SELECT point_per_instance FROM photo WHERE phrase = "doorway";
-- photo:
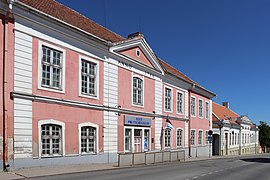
(215, 145)
(226, 143)
(137, 140)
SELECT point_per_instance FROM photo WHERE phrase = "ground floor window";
(192, 137)
(179, 138)
(128, 140)
(200, 137)
(88, 139)
(167, 138)
(206, 137)
(51, 140)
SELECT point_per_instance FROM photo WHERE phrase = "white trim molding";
(63, 135)
(89, 124)
(63, 73)
(183, 137)
(89, 59)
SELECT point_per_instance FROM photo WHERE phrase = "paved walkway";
(46, 171)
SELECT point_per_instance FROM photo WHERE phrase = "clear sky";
(224, 45)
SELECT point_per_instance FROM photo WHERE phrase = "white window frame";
(165, 110)
(206, 137)
(194, 137)
(132, 137)
(63, 135)
(195, 101)
(200, 130)
(88, 124)
(183, 134)
(63, 75)
(200, 116)
(170, 139)
(85, 58)
(143, 90)
(183, 101)
(207, 106)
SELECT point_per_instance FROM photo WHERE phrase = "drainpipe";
(4, 81)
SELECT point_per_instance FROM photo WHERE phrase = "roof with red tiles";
(67, 15)
(224, 113)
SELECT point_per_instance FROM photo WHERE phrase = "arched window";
(179, 138)
(88, 139)
(137, 91)
(51, 138)
(167, 138)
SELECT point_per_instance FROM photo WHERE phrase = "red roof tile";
(73, 18)
(224, 113)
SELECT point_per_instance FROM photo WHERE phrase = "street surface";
(241, 168)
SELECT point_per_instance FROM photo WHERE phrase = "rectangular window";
(168, 99)
(137, 91)
(179, 137)
(167, 138)
(207, 110)
(179, 102)
(200, 137)
(51, 140)
(128, 140)
(88, 139)
(200, 108)
(230, 139)
(192, 137)
(192, 106)
(88, 78)
(206, 137)
(51, 68)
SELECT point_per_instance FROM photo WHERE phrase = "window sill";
(51, 156)
(51, 89)
(138, 105)
(88, 96)
(86, 154)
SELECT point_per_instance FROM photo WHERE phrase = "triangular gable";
(137, 54)
(127, 49)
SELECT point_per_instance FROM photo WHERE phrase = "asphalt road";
(248, 168)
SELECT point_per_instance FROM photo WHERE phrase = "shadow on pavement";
(258, 160)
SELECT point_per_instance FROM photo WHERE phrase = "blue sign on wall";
(137, 121)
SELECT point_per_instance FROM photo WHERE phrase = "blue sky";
(223, 45)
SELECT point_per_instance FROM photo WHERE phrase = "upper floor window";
(88, 139)
(179, 102)
(51, 140)
(88, 77)
(192, 106)
(179, 138)
(52, 67)
(207, 110)
(192, 137)
(137, 91)
(167, 138)
(168, 99)
(200, 137)
(200, 108)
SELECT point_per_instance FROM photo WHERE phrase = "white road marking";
(203, 174)
(195, 177)
(210, 173)
(216, 171)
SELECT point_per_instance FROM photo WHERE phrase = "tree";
(264, 134)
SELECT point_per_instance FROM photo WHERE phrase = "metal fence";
(131, 159)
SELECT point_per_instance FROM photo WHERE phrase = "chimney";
(226, 104)
(136, 34)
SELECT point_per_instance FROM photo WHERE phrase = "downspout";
(4, 81)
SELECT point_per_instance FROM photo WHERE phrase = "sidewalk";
(46, 171)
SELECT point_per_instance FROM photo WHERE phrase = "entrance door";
(137, 140)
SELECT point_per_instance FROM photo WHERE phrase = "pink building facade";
(79, 93)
